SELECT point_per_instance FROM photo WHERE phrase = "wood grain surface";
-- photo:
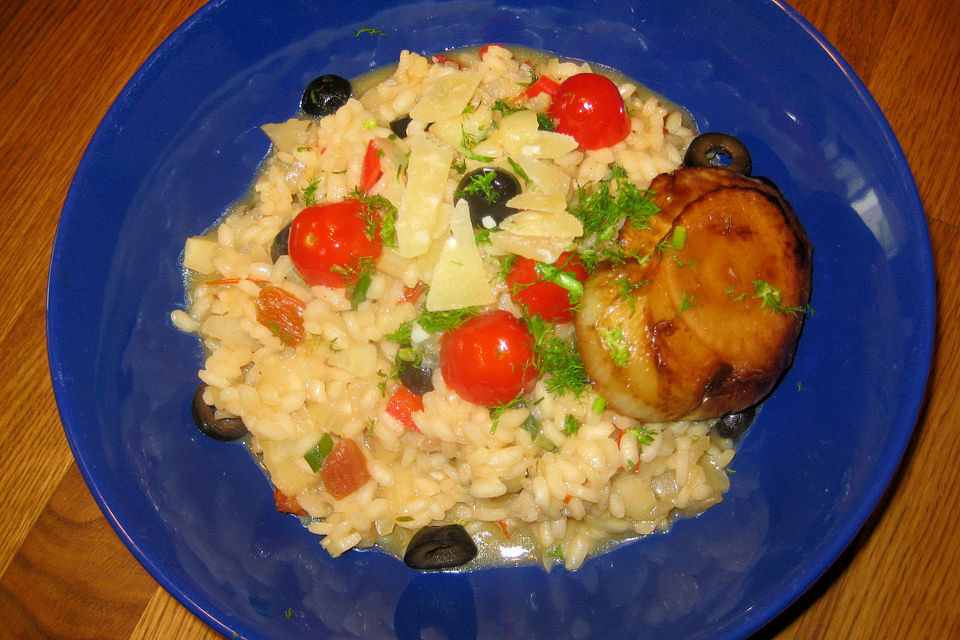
(63, 572)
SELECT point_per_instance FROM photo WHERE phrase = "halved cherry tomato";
(327, 242)
(588, 107)
(288, 504)
(488, 360)
(344, 469)
(543, 84)
(371, 170)
(548, 300)
(282, 313)
(403, 403)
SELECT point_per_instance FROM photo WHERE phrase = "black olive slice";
(440, 547)
(223, 429)
(325, 95)
(488, 196)
(281, 244)
(399, 126)
(705, 148)
(417, 377)
(735, 424)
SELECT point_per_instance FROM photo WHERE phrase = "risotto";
(356, 376)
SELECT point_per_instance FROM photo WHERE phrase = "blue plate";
(182, 142)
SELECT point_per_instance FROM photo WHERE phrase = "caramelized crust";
(701, 342)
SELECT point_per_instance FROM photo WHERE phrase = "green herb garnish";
(615, 342)
(433, 322)
(315, 456)
(482, 235)
(602, 207)
(504, 108)
(480, 183)
(533, 426)
(770, 297)
(570, 425)
(626, 290)
(506, 265)
(732, 294)
(678, 238)
(498, 411)
(643, 436)
(476, 158)
(687, 302)
(368, 29)
(517, 169)
(309, 194)
(545, 122)
(562, 278)
(556, 358)
(378, 212)
(598, 405)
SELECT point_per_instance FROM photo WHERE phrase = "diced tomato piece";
(371, 170)
(282, 313)
(412, 294)
(344, 469)
(402, 405)
(288, 504)
(543, 84)
(442, 59)
(485, 48)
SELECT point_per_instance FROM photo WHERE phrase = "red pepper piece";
(543, 85)
(402, 405)
(288, 504)
(371, 170)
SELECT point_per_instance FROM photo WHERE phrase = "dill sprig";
(378, 212)
(615, 343)
(480, 183)
(603, 206)
(557, 358)
(433, 322)
(771, 298)
(309, 193)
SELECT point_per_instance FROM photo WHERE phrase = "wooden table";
(63, 572)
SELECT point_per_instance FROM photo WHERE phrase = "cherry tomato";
(371, 170)
(588, 107)
(344, 469)
(488, 360)
(327, 242)
(548, 300)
